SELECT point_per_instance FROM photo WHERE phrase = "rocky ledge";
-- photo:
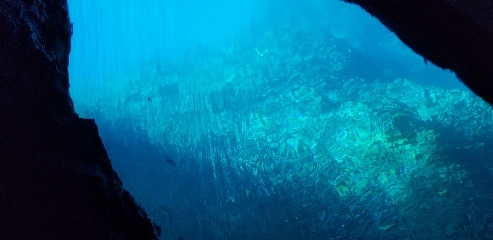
(453, 34)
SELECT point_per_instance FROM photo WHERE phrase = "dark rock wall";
(453, 34)
(56, 181)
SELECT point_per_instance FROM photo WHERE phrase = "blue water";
(252, 119)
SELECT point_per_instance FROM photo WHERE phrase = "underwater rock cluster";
(56, 181)
(286, 138)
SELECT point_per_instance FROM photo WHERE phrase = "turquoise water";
(280, 120)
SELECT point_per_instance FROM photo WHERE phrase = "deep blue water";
(281, 120)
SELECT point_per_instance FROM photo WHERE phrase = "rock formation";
(453, 34)
(56, 181)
